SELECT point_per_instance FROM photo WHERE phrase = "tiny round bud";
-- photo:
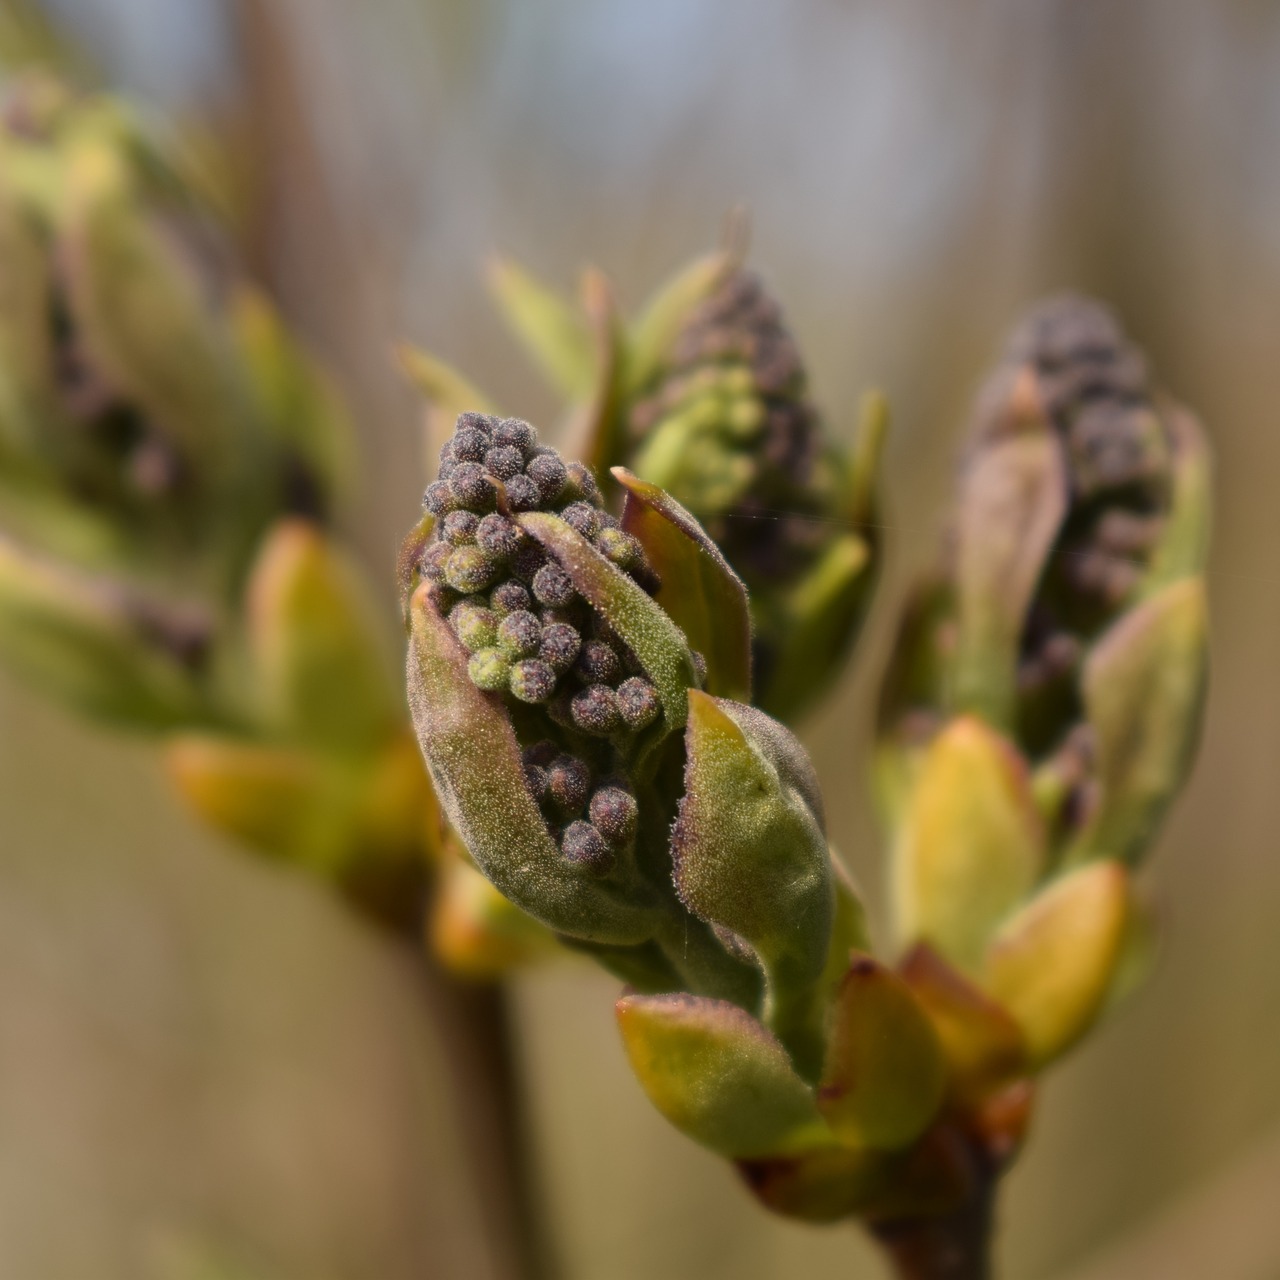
(582, 517)
(528, 559)
(435, 561)
(541, 753)
(497, 535)
(581, 481)
(568, 783)
(459, 527)
(522, 494)
(472, 421)
(519, 635)
(504, 462)
(560, 707)
(471, 569)
(489, 670)
(583, 845)
(474, 625)
(516, 433)
(595, 710)
(638, 703)
(613, 813)
(599, 663)
(552, 586)
(532, 680)
(438, 499)
(624, 550)
(535, 777)
(470, 445)
(549, 474)
(508, 597)
(559, 646)
(470, 486)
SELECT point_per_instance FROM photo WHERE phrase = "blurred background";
(207, 1068)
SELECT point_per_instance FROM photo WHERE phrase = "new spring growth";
(1043, 703)
(705, 396)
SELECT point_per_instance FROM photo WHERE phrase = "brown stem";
(955, 1247)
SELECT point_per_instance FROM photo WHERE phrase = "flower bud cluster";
(734, 387)
(532, 637)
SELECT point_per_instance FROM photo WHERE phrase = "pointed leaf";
(885, 1073)
(1144, 684)
(1184, 544)
(750, 855)
(554, 334)
(474, 760)
(1053, 963)
(655, 640)
(699, 591)
(718, 1075)
(971, 843)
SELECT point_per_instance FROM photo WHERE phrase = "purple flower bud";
(532, 680)
(469, 445)
(516, 433)
(595, 711)
(489, 670)
(527, 561)
(535, 777)
(519, 635)
(438, 499)
(508, 597)
(471, 487)
(624, 550)
(584, 845)
(613, 813)
(497, 535)
(435, 561)
(583, 482)
(599, 663)
(638, 703)
(549, 474)
(522, 494)
(472, 421)
(459, 527)
(559, 646)
(568, 783)
(582, 517)
(471, 569)
(504, 462)
(541, 753)
(552, 586)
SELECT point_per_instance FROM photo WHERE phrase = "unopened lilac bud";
(582, 482)
(549, 474)
(638, 703)
(522, 494)
(469, 446)
(519, 635)
(459, 527)
(553, 587)
(470, 486)
(583, 518)
(504, 462)
(435, 561)
(541, 753)
(470, 569)
(475, 626)
(508, 597)
(559, 646)
(584, 845)
(599, 663)
(527, 561)
(438, 499)
(497, 535)
(515, 433)
(613, 813)
(535, 777)
(489, 670)
(595, 711)
(532, 680)
(472, 421)
(568, 782)
(624, 550)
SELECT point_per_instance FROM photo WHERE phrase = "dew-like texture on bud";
(638, 703)
(438, 498)
(475, 625)
(459, 527)
(613, 813)
(497, 535)
(533, 680)
(523, 494)
(568, 781)
(598, 663)
(595, 711)
(520, 634)
(583, 518)
(471, 568)
(489, 670)
(471, 486)
(549, 474)
(584, 845)
(515, 433)
(509, 597)
(435, 561)
(553, 587)
(559, 646)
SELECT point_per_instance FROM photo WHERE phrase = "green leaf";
(750, 855)
(553, 332)
(885, 1073)
(971, 843)
(718, 1075)
(1144, 684)
(474, 760)
(643, 625)
(699, 591)
(1052, 965)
